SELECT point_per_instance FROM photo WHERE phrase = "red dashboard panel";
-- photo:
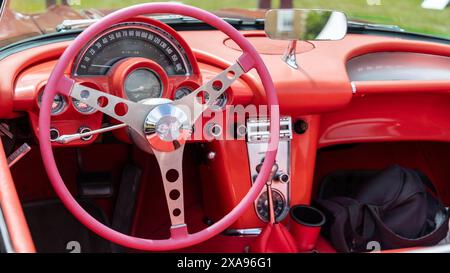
(320, 93)
(30, 84)
(322, 85)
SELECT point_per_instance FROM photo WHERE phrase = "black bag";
(397, 208)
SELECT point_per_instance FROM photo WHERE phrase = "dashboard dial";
(262, 206)
(133, 40)
(142, 84)
(82, 107)
(219, 104)
(58, 105)
(182, 92)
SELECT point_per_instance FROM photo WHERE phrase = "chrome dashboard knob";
(282, 177)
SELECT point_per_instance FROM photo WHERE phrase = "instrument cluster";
(169, 60)
(137, 60)
(61, 103)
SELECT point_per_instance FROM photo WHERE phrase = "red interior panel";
(380, 123)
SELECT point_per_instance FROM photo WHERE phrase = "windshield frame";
(2, 8)
(69, 35)
(364, 26)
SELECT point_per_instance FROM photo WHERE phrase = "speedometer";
(133, 40)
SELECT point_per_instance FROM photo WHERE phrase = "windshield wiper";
(75, 24)
(168, 19)
(392, 30)
(83, 23)
(370, 26)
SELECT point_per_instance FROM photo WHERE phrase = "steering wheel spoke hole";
(231, 74)
(172, 175)
(174, 194)
(102, 101)
(202, 97)
(176, 212)
(121, 109)
(217, 85)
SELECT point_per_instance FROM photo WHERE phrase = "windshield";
(22, 19)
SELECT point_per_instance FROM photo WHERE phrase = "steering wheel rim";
(59, 83)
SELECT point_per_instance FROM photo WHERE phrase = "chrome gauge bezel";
(181, 89)
(61, 109)
(283, 213)
(151, 71)
(90, 112)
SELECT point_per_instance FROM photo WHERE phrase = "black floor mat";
(54, 229)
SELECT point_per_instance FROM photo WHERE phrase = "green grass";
(405, 13)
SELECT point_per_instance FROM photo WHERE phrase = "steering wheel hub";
(166, 127)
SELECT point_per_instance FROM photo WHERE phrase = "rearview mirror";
(304, 24)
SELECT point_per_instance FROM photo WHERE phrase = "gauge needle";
(64, 139)
(140, 88)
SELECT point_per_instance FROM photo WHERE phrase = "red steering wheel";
(144, 120)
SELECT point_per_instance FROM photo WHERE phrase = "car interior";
(164, 127)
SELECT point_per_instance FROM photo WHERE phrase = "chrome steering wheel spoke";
(196, 103)
(166, 126)
(171, 166)
(131, 113)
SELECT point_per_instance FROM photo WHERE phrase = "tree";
(53, 2)
(267, 4)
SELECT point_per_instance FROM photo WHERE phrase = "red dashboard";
(336, 109)
(322, 85)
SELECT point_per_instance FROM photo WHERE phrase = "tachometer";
(143, 84)
(133, 40)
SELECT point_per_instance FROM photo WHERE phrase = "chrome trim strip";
(354, 90)
(243, 232)
(4, 130)
(18, 154)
